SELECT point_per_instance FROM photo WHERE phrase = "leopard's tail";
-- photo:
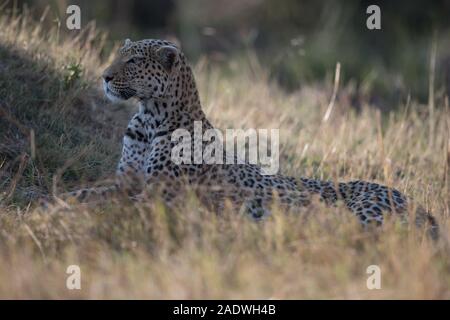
(86, 195)
(90, 194)
(368, 201)
(423, 218)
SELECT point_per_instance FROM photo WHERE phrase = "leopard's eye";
(134, 60)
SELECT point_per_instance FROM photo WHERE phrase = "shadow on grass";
(48, 122)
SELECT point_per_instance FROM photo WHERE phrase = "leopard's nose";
(108, 75)
(107, 78)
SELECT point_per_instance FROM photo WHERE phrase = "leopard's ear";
(167, 56)
(127, 43)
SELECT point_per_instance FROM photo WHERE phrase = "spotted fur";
(157, 74)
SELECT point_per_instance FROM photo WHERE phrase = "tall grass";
(57, 132)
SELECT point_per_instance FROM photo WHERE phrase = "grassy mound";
(52, 115)
(57, 132)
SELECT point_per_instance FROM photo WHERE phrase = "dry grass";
(130, 251)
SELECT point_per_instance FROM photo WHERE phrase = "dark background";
(299, 42)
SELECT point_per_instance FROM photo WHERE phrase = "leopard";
(157, 75)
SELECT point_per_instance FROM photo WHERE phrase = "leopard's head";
(142, 69)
